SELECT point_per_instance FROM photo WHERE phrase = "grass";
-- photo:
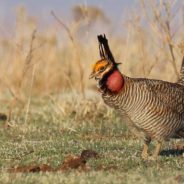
(59, 56)
(49, 136)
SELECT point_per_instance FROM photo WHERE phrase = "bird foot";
(145, 156)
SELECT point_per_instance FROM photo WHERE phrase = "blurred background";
(48, 47)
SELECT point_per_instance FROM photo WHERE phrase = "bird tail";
(181, 77)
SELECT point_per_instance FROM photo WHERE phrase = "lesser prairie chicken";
(155, 108)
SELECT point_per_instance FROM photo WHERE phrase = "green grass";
(51, 133)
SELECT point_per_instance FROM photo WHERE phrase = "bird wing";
(169, 94)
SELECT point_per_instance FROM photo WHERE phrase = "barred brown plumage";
(155, 108)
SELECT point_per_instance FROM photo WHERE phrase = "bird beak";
(92, 75)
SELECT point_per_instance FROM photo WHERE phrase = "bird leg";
(145, 148)
(157, 150)
(145, 151)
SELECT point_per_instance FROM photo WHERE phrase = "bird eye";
(102, 68)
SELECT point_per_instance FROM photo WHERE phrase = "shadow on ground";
(172, 152)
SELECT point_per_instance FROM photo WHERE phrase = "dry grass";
(57, 67)
(41, 63)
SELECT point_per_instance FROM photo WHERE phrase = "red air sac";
(115, 81)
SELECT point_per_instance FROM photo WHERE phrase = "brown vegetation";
(41, 63)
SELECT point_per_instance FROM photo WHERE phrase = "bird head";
(105, 70)
(107, 63)
(101, 68)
